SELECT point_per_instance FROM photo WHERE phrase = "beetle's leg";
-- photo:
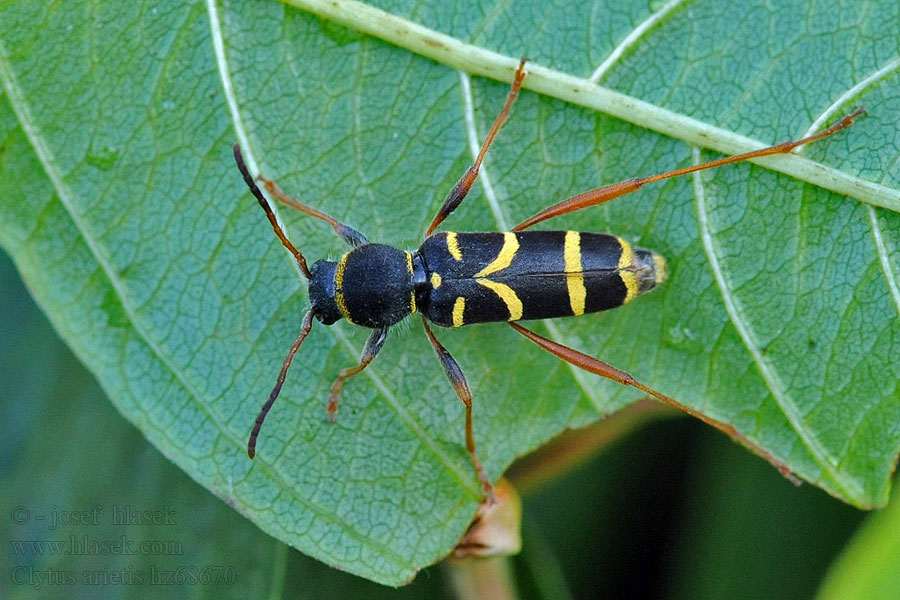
(608, 192)
(598, 367)
(459, 191)
(458, 380)
(344, 231)
(304, 331)
(370, 350)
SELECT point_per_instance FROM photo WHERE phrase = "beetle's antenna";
(304, 331)
(239, 158)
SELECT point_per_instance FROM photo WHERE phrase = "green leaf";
(90, 504)
(869, 567)
(124, 213)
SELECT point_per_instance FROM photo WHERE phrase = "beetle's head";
(321, 292)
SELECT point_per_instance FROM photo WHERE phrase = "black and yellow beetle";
(456, 279)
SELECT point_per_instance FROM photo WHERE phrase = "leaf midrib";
(582, 92)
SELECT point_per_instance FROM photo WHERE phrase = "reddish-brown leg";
(370, 350)
(458, 380)
(598, 367)
(346, 233)
(608, 192)
(459, 191)
(304, 331)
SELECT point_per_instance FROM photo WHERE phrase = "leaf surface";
(124, 212)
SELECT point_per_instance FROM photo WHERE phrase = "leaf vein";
(884, 258)
(578, 90)
(887, 69)
(632, 38)
(768, 372)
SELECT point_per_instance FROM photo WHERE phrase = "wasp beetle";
(457, 279)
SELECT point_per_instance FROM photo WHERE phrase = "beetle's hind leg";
(598, 367)
(456, 377)
(370, 350)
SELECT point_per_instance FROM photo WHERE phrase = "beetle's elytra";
(455, 279)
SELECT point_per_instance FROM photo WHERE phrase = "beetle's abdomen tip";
(652, 269)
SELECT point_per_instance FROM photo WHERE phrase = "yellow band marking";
(453, 246)
(662, 268)
(504, 257)
(436, 280)
(626, 271)
(339, 288)
(412, 294)
(458, 307)
(506, 293)
(575, 278)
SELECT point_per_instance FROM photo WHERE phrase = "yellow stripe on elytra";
(506, 293)
(575, 277)
(412, 294)
(436, 280)
(339, 288)
(453, 246)
(458, 307)
(626, 271)
(504, 257)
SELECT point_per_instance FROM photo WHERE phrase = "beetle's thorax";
(372, 285)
